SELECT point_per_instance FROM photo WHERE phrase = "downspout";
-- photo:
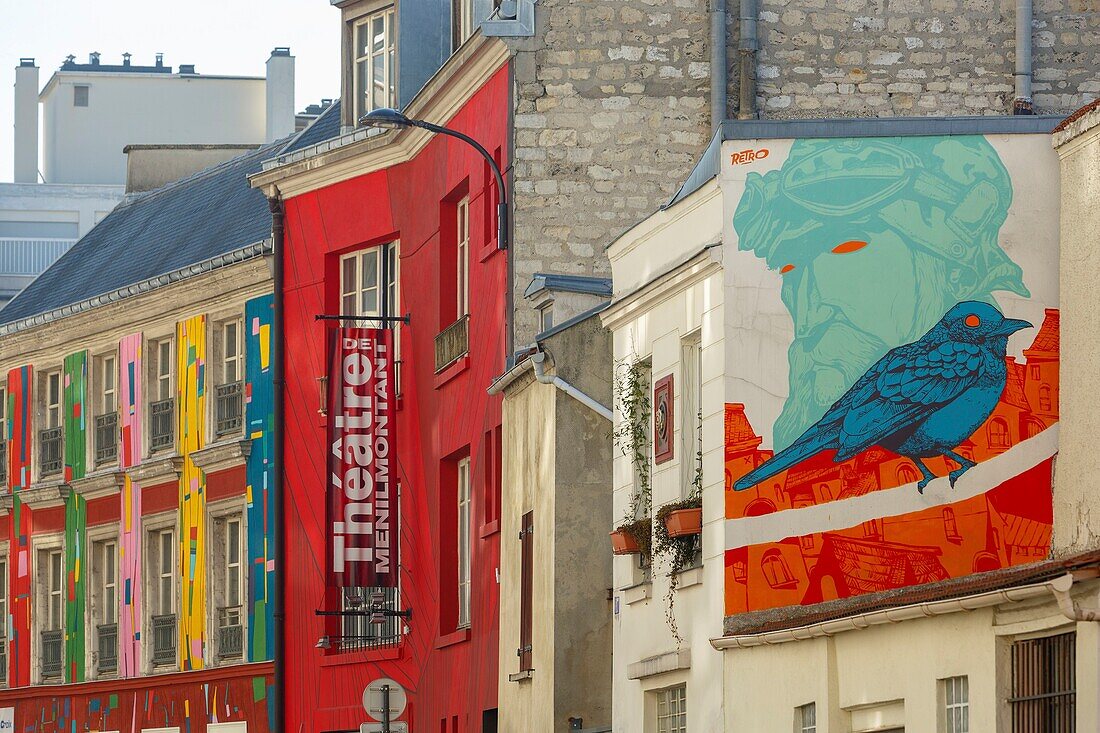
(539, 360)
(746, 106)
(1021, 105)
(278, 385)
(510, 285)
(1070, 608)
(719, 81)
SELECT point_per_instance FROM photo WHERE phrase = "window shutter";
(526, 537)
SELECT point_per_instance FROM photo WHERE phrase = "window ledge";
(489, 529)
(636, 593)
(95, 485)
(224, 454)
(455, 637)
(526, 674)
(43, 496)
(489, 250)
(362, 656)
(689, 577)
(452, 370)
(156, 470)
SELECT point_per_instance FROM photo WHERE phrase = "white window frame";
(40, 619)
(462, 258)
(462, 495)
(232, 361)
(805, 720)
(546, 316)
(98, 539)
(955, 704)
(351, 297)
(51, 411)
(152, 529)
(669, 704)
(388, 53)
(162, 377)
(221, 514)
(5, 569)
(107, 383)
(462, 20)
(691, 405)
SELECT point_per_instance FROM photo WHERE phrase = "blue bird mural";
(920, 400)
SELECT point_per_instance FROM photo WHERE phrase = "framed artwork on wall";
(663, 423)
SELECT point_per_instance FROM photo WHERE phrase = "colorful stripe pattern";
(74, 378)
(191, 424)
(259, 415)
(129, 545)
(20, 383)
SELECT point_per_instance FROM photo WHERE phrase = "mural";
(191, 436)
(259, 413)
(74, 376)
(129, 544)
(20, 392)
(910, 443)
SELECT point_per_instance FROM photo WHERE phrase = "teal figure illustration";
(875, 239)
(920, 400)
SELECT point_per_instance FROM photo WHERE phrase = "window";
(775, 570)
(50, 616)
(80, 95)
(691, 415)
(162, 389)
(3, 443)
(462, 22)
(161, 595)
(463, 542)
(364, 631)
(1044, 398)
(546, 317)
(232, 352)
(462, 257)
(229, 392)
(50, 437)
(956, 705)
(106, 418)
(165, 598)
(375, 57)
(229, 586)
(805, 720)
(361, 280)
(105, 604)
(493, 474)
(672, 710)
(3, 615)
(907, 474)
(526, 608)
(950, 526)
(1044, 685)
(162, 403)
(1035, 371)
(53, 400)
(998, 433)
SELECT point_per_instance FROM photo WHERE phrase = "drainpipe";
(718, 65)
(746, 106)
(278, 384)
(539, 360)
(1070, 608)
(1021, 105)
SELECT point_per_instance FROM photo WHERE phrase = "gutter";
(718, 65)
(1021, 104)
(243, 254)
(1071, 609)
(278, 612)
(539, 361)
(891, 616)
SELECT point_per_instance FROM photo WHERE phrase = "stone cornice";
(662, 287)
(156, 470)
(222, 455)
(43, 496)
(99, 483)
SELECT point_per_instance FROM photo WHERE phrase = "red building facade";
(428, 204)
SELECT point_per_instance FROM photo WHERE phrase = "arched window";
(759, 507)
(998, 433)
(775, 570)
(907, 474)
(1032, 428)
(1044, 398)
(950, 526)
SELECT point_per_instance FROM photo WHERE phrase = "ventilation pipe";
(539, 360)
(746, 107)
(718, 65)
(1021, 105)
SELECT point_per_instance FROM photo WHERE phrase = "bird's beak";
(1012, 325)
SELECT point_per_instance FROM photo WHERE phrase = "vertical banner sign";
(362, 491)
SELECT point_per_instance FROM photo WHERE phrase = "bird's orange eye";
(785, 269)
(973, 321)
(851, 246)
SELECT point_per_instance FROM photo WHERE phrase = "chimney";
(187, 68)
(160, 60)
(126, 58)
(26, 122)
(280, 94)
(93, 58)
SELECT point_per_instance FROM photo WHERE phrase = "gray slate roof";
(327, 125)
(195, 219)
(569, 284)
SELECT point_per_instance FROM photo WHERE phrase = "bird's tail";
(808, 445)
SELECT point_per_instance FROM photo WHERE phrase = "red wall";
(451, 677)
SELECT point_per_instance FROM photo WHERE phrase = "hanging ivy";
(632, 438)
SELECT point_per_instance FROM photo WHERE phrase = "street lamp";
(392, 119)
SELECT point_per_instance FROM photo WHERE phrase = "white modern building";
(71, 170)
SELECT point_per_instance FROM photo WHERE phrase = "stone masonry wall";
(613, 106)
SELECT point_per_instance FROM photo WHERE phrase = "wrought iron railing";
(106, 437)
(452, 343)
(360, 630)
(3, 465)
(107, 641)
(3, 659)
(52, 642)
(164, 640)
(229, 404)
(161, 422)
(230, 633)
(49, 451)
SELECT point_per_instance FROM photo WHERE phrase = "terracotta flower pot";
(684, 522)
(623, 543)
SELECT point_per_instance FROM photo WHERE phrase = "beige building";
(555, 619)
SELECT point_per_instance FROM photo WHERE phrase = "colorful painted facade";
(877, 261)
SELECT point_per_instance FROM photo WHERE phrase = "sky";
(218, 36)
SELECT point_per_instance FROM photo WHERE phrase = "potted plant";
(677, 535)
(683, 518)
(632, 538)
(634, 533)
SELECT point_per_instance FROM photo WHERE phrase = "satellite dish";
(375, 695)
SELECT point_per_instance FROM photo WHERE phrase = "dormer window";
(375, 70)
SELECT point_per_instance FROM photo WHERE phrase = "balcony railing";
(229, 402)
(3, 659)
(3, 467)
(106, 437)
(452, 343)
(30, 255)
(52, 642)
(107, 640)
(362, 631)
(164, 640)
(161, 422)
(230, 633)
(49, 451)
